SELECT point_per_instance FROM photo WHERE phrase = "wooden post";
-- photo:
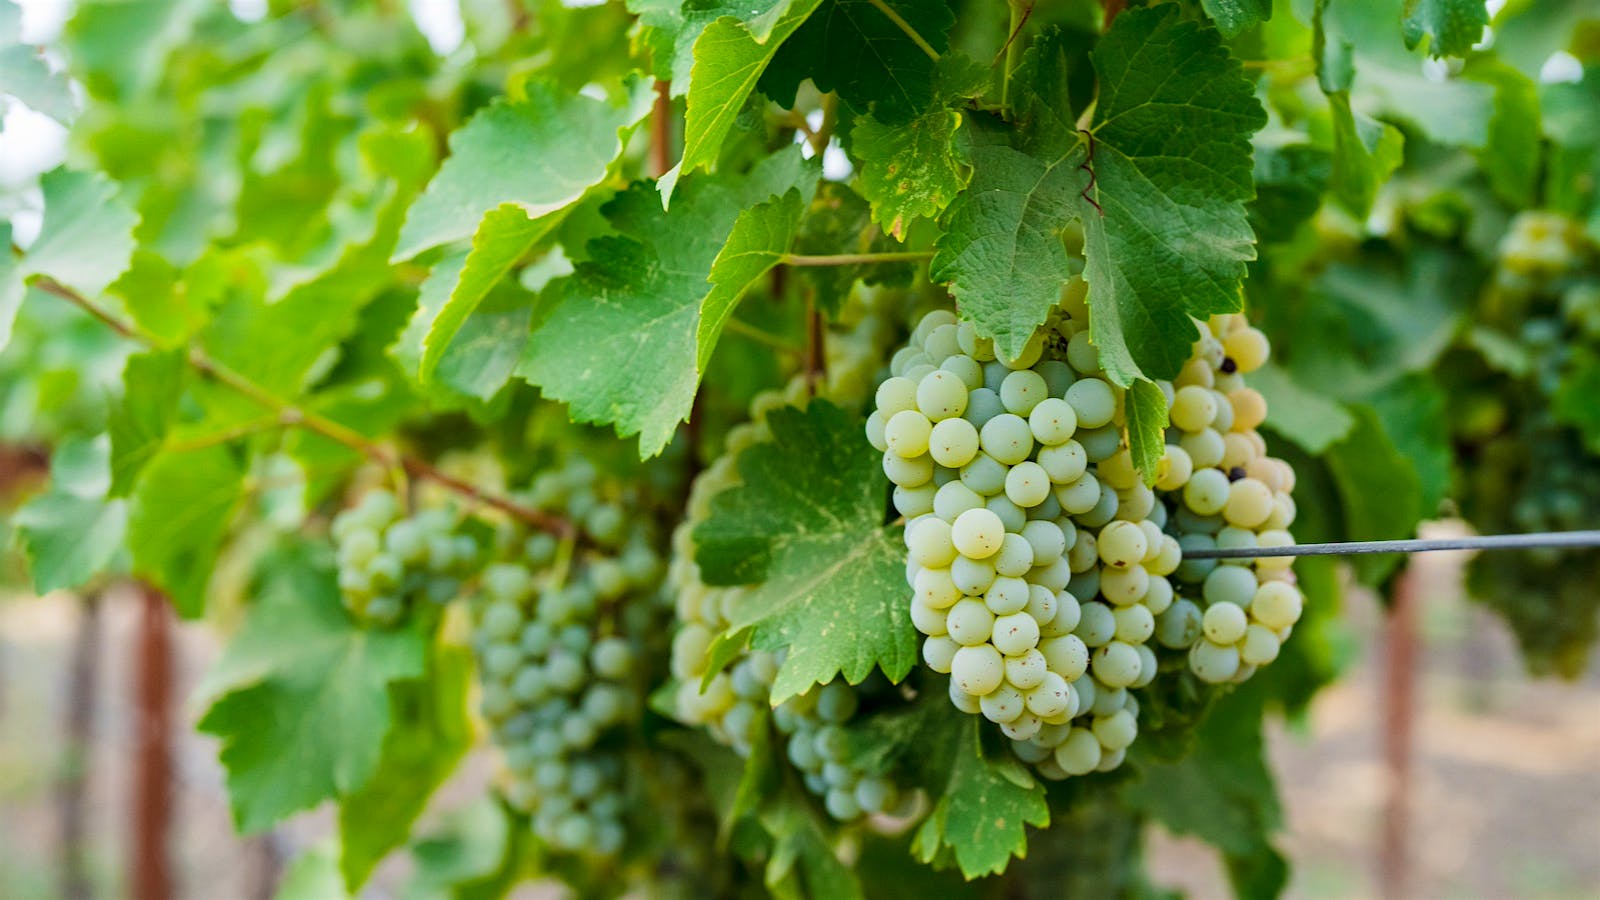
(1402, 648)
(150, 865)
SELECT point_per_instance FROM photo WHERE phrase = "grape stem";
(291, 415)
(660, 128)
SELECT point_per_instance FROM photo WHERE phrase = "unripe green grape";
(930, 541)
(1022, 390)
(1122, 544)
(896, 394)
(1006, 595)
(939, 652)
(984, 475)
(1124, 586)
(976, 533)
(983, 404)
(1065, 463)
(1051, 697)
(1045, 539)
(1213, 663)
(1011, 515)
(1101, 443)
(907, 433)
(1027, 484)
(501, 620)
(1007, 439)
(953, 442)
(1224, 623)
(1097, 626)
(941, 395)
(1135, 624)
(1116, 664)
(960, 699)
(915, 501)
(1205, 448)
(1015, 558)
(964, 367)
(1042, 605)
(969, 622)
(1026, 670)
(1207, 492)
(1276, 605)
(1116, 731)
(1016, 633)
(1079, 753)
(1003, 704)
(1230, 584)
(1093, 401)
(1260, 646)
(877, 425)
(927, 620)
(977, 669)
(973, 577)
(1249, 503)
(908, 472)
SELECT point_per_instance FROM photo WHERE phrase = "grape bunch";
(559, 633)
(734, 704)
(1221, 489)
(1036, 556)
(389, 560)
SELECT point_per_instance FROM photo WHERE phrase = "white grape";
(977, 669)
(977, 533)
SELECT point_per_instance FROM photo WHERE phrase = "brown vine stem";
(853, 259)
(291, 415)
(661, 129)
(816, 346)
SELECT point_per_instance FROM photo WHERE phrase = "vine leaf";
(541, 153)
(28, 78)
(984, 803)
(152, 383)
(1172, 174)
(910, 171)
(729, 57)
(86, 238)
(1146, 408)
(852, 48)
(1380, 492)
(805, 529)
(73, 531)
(178, 518)
(301, 699)
(1309, 419)
(1159, 182)
(1451, 26)
(1235, 16)
(1365, 153)
(430, 735)
(651, 299)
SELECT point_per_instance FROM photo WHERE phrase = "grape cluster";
(388, 560)
(1223, 490)
(1036, 556)
(734, 703)
(559, 630)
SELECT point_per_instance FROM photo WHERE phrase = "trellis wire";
(1534, 541)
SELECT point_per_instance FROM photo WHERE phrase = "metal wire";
(1538, 540)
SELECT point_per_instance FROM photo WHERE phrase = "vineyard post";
(1402, 647)
(150, 864)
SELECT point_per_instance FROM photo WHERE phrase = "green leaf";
(430, 735)
(1171, 157)
(473, 855)
(1451, 26)
(728, 61)
(802, 864)
(983, 803)
(637, 301)
(1413, 414)
(853, 48)
(1365, 153)
(1574, 398)
(909, 171)
(540, 153)
(1512, 157)
(806, 530)
(72, 532)
(178, 515)
(86, 239)
(301, 696)
(1380, 494)
(26, 76)
(460, 281)
(760, 237)
(1235, 16)
(1222, 792)
(1166, 235)
(1146, 409)
(152, 383)
(1290, 181)
(1309, 419)
(168, 304)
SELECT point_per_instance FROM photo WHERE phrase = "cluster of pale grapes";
(1539, 246)
(734, 703)
(1223, 491)
(559, 628)
(387, 559)
(1036, 556)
